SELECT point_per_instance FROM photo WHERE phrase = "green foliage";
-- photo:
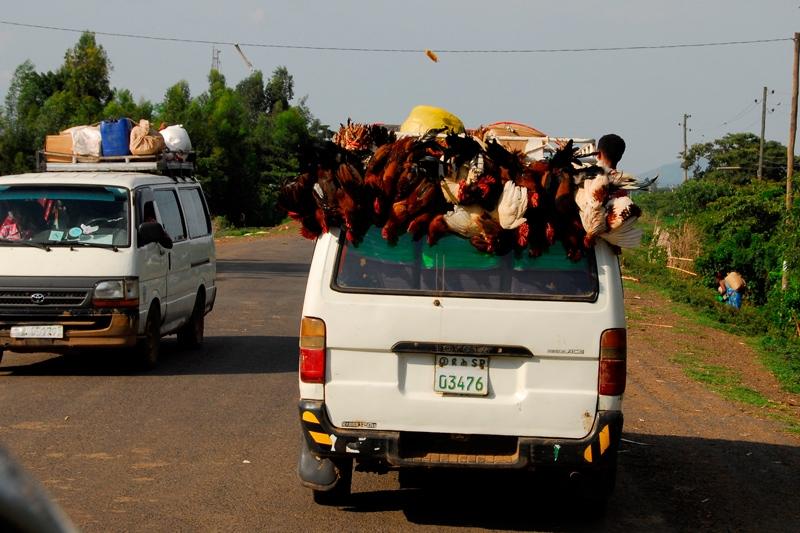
(740, 229)
(279, 90)
(122, 105)
(246, 139)
(253, 92)
(744, 227)
(86, 70)
(733, 159)
(782, 357)
(700, 293)
(174, 108)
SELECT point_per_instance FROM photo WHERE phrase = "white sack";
(176, 138)
(86, 140)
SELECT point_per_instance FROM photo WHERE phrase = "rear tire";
(597, 486)
(149, 348)
(191, 334)
(340, 493)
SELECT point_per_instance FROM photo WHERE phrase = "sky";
(638, 94)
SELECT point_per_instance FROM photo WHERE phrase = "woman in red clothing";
(10, 229)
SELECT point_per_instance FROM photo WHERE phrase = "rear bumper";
(93, 329)
(403, 449)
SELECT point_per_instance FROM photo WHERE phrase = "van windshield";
(63, 215)
(453, 267)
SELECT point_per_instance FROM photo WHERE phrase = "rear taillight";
(613, 357)
(312, 350)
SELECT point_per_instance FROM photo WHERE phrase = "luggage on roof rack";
(167, 163)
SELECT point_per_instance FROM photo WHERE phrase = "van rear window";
(453, 267)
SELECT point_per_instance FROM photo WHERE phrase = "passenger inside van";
(11, 227)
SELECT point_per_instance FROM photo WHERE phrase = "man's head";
(610, 149)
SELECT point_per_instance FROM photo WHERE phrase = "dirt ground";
(714, 463)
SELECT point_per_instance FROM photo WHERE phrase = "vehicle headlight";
(116, 292)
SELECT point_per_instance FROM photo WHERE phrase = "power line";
(740, 115)
(397, 50)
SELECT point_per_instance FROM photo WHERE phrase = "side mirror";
(153, 232)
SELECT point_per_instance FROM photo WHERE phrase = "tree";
(174, 108)
(734, 159)
(122, 105)
(252, 91)
(86, 70)
(279, 90)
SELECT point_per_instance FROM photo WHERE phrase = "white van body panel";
(552, 394)
(61, 261)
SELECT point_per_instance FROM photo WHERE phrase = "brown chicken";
(437, 229)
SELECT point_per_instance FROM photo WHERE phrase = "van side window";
(196, 214)
(170, 212)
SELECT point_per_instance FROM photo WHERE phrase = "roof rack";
(167, 163)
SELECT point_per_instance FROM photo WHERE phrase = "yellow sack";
(424, 118)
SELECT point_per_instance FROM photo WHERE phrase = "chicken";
(591, 199)
(572, 235)
(325, 197)
(621, 220)
(564, 198)
(419, 226)
(424, 197)
(490, 237)
(503, 163)
(565, 158)
(460, 150)
(485, 192)
(295, 197)
(362, 137)
(531, 180)
(463, 219)
(512, 205)
(437, 229)
(522, 233)
(621, 180)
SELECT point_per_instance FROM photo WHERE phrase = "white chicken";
(512, 205)
(591, 198)
(621, 219)
(464, 220)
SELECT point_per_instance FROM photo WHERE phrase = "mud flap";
(318, 473)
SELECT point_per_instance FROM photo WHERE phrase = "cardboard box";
(58, 148)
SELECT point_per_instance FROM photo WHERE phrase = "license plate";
(37, 332)
(455, 374)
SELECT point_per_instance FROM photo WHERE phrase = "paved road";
(208, 441)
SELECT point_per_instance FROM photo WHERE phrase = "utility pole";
(760, 174)
(790, 148)
(215, 52)
(685, 150)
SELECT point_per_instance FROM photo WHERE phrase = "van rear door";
(446, 339)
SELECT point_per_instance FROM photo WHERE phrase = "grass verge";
(720, 379)
(697, 303)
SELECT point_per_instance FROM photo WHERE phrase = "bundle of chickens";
(439, 183)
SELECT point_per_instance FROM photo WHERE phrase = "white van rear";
(418, 356)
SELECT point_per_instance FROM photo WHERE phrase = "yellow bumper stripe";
(587, 454)
(308, 416)
(605, 439)
(320, 438)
